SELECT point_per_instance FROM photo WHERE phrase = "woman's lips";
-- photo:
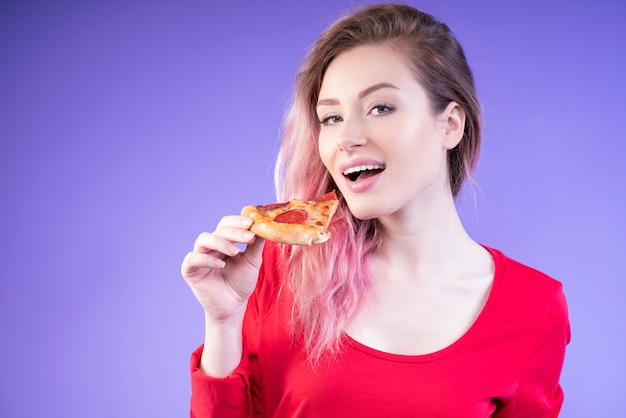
(364, 181)
(360, 164)
(361, 173)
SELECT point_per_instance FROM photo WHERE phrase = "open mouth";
(362, 171)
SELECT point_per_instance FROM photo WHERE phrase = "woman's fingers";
(211, 250)
(202, 260)
(235, 221)
(254, 251)
(221, 275)
(230, 230)
(194, 263)
(211, 243)
(222, 244)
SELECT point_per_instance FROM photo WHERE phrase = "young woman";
(401, 313)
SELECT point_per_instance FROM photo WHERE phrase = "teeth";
(362, 168)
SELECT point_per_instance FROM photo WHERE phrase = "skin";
(222, 278)
(393, 124)
(431, 278)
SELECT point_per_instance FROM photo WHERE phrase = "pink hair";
(331, 281)
(328, 281)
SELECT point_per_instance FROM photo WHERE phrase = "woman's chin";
(363, 213)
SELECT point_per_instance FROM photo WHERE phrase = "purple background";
(129, 127)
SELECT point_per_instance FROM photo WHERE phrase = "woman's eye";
(330, 120)
(380, 110)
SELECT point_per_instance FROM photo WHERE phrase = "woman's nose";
(351, 135)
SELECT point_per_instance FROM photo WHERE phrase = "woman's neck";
(426, 238)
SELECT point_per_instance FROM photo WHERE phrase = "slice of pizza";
(297, 222)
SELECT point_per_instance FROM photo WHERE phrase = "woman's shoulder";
(526, 287)
(527, 296)
(517, 273)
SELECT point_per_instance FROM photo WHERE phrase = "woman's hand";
(221, 276)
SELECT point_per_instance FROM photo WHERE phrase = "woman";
(401, 313)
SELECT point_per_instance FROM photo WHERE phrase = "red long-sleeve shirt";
(506, 365)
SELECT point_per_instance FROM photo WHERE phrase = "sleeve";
(227, 397)
(539, 393)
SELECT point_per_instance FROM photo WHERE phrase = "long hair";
(331, 281)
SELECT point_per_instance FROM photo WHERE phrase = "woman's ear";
(453, 119)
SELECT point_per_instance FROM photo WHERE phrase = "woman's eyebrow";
(364, 93)
(375, 87)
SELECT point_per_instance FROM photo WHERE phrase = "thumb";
(254, 251)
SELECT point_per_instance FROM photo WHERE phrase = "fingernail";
(246, 222)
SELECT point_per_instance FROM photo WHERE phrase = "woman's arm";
(222, 278)
(539, 394)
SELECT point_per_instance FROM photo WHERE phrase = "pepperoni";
(272, 206)
(294, 216)
(328, 196)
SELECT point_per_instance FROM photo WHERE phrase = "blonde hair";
(330, 281)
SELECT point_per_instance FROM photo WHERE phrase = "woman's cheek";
(325, 152)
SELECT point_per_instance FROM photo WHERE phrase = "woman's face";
(379, 138)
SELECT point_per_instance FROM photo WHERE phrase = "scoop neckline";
(460, 342)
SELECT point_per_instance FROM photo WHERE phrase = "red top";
(506, 365)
